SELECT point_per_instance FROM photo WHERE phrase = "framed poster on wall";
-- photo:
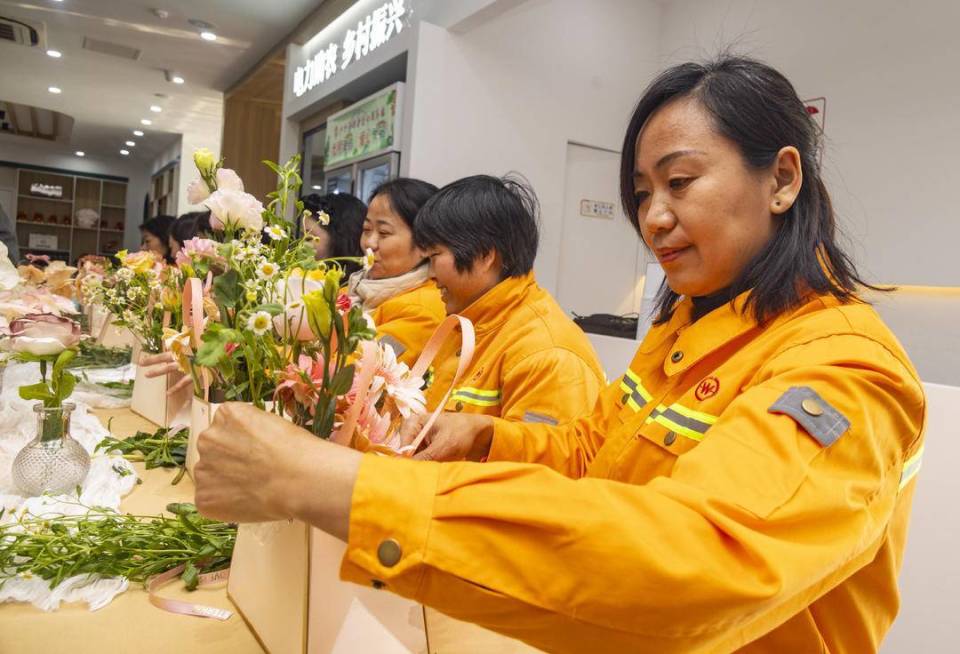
(365, 129)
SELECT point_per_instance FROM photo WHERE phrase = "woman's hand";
(453, 437)
(158, 365)
(255, 466)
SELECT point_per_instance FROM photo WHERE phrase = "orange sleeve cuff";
(507, 443)
(390, 515)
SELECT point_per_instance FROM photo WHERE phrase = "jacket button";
(389, 553)
(377, 584)
(669, 439)
(458, 406)
(677, 356)
(812, 407)
(459, 352)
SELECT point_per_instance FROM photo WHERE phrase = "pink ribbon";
(186, 608)
(33, 258)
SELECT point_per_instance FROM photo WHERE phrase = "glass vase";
(53, 461)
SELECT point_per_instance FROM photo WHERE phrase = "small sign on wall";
(42, 242)
(596, 209)
(48, 190)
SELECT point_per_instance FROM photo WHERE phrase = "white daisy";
(276, 233)
(322, 217)
(267, 270)
(259, 323)
(368, 259)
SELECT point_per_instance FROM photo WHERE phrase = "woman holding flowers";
(745, 486)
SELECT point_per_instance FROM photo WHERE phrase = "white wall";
(510, 93)
(38, 153)
(889, 72)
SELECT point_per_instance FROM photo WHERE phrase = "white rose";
(228, 180)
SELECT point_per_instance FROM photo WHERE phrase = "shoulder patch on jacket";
(397, 346)
(814, 414)
(530, 416)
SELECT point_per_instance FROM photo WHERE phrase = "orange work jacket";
(740, 488)
(531, 362)
(406, 321)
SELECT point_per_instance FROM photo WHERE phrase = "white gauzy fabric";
(109, 479)
(90, 393)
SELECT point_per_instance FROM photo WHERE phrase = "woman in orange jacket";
(531, 362)
(397, 291)
(745, 486)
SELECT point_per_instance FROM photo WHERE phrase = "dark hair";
(477, 215)
(191, 225)
(407, 196)
(160, 226)
(758, 109)
(346, 220)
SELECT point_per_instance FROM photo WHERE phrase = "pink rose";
(198, 248)
(235, 208)
(197, 192)
(42, 334)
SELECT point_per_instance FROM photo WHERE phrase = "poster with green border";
(364, 129)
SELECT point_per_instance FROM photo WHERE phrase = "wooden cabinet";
(163, 191)
(66, 215)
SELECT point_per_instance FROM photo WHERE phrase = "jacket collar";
(492, 309)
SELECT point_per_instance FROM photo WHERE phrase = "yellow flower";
(318, 313)
(138, 262)
(178, 343)
(251, 296)
(170, 299)
(211, 310)
(205, 161)
(323, 218)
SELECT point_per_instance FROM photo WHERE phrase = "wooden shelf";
(46, 250)
(36, 224)
(112, 231)
(112, 206)
(44, 198)
(85, 229)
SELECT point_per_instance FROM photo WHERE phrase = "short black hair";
(757, 108)
(191, 225)
(346, 214)
(160, 226)
(406, 195)
(481, 214)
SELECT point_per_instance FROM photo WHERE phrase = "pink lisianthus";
(42, 334)
(229, 180)
(236, 209)
(197, 192)
(198, 248)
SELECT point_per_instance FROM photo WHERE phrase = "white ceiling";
(108, 96)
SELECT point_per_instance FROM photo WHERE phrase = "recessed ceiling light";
(317, 188)
(155, 108)
(124, 152)
(55, 90)
(146, 121)
(56, 54)
(130, 144)
(208, 36)
(137, 132)
(80, 153)
(176, 79)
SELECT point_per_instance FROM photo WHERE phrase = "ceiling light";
(55, 90)
(156, 109)
(130, 144)
(317, 187)
(146, 121)
(176, 79)
(137, 132)
(80, 153)
(56, 54)
(124, 152)
(208, 36)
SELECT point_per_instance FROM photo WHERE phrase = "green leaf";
(191, 576)
(63, 359)
(38, 391)
(67, 384)
(26, 357)
(272, 309)
(342, 381)
(227, 289)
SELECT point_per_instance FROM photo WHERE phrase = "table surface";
(131, 624)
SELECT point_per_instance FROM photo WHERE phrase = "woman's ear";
(788, 177)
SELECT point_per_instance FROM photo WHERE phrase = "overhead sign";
(364, 129)
(49, 190)
(371, 32)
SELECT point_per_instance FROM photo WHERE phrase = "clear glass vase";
(53, 461)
